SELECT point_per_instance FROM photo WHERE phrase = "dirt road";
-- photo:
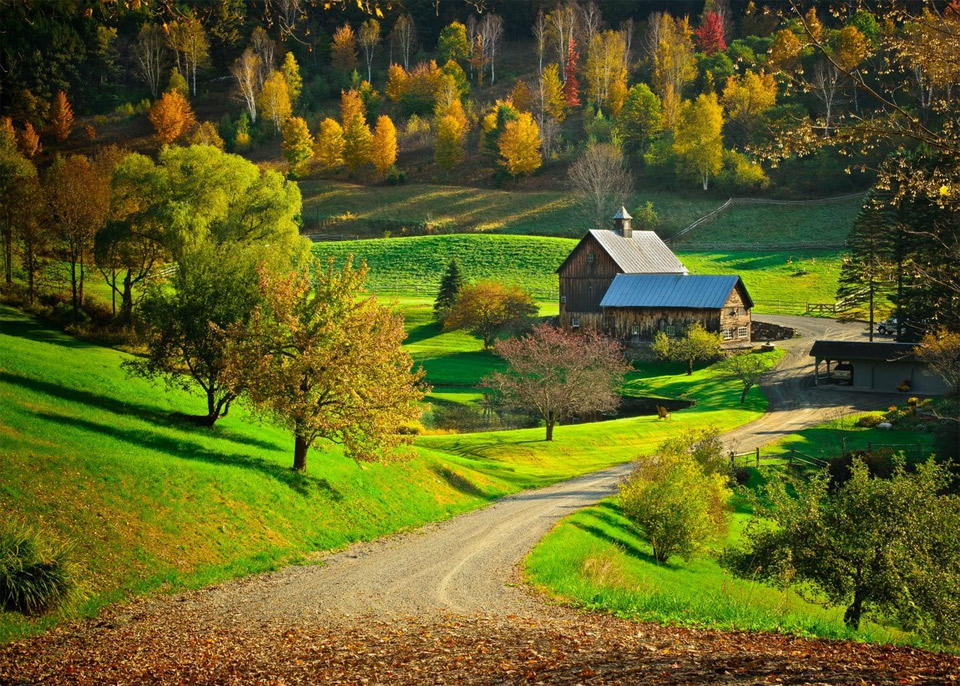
(456, 579)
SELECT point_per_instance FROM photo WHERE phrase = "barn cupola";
(621, 223)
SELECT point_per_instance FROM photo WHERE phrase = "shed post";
(758, 456)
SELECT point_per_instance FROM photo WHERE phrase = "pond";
(474, 417)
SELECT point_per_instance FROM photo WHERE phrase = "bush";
(675, 504)
(34, 577)
(870, 421)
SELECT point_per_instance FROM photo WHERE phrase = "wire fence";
(756, 458)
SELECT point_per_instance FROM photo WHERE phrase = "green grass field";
(595, 559)
(777, 225)
(779, 281)
(459, 209)
(147, 502)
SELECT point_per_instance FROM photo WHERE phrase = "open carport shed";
(874, 366)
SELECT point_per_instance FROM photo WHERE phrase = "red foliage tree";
(710, 36)
(560, 374)
(571, 86)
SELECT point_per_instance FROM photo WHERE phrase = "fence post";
(758, 456)
(792, 451)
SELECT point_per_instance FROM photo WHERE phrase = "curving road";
(465, 565)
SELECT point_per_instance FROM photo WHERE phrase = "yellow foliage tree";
(697, 138)
(291, 72)
(746, 98)
(551, 93)
(329, 146)
(297, 143)
(343, 50)
(448, 147)
(396, 82)
(521, 97)
(61, 117)
(384, 144)
(274, 100)
(358, 140)
(520, 145)
(171, 117)
(206, 134)
(29, 141)
(674, 64)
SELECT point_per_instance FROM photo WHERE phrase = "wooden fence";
(755, 459)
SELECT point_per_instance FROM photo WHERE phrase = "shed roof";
(642, 253)
(672, 290)
(863, 350)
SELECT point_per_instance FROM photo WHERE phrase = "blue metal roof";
(670, 290)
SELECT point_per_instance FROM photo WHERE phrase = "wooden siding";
(583, 282)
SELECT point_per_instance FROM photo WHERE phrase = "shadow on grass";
(32, 329)
(630, 549)
(460, 483)
(130, 409)
(189, 450)
(422, 333)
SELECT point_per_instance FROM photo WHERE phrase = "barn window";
(575, 322)
(742, 332)
(727, 334)
(591, 258)
(671, 331)
(734, 312)
(635, 330)
(563, 299)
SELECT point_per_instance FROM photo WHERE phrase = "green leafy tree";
(177, 84)
(453, 43)
(747, 369)
(873, 545)
(450, 285)
(214, 287)
(327, 364)
(697, 345)
(677, 506)
(291, 73)
(487, 308)
(16, 176)
(640, 119)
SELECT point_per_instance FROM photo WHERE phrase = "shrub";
(34, 577)
(869, 421)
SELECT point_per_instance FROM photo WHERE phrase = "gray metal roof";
(863, 350)
(642, 253)
(670, 290)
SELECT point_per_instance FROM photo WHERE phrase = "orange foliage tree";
(171, 116)
(61, 117)
(487, 308)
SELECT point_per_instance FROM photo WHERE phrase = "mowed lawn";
(595, 558)
(779, 281)
(148, 502)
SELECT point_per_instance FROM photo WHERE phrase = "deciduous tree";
(291, 74)
(674, 64)
(488, 307)
(697, 140)
(452, 43)
(384, 153)
(61, 117)
(190, 45)
(606, 69)
(552, 101)
(357, 138)
(149, 54)
(677, 506)
(18, 178)
(330, 145)
(274, 100)
(599, 175)
(941, 350)
(697, 345)
(560, 374)
(343, 50)
(571, 85)
(246, 70)
(871, 544)
(520, 145)
(327, 364)
(171, 117)
(640, 119)
(369, 39)
(297, 143)
(29, 141)
(747, 368)
(205, 133)
(746, 99)
(710, 34)
(406, 32)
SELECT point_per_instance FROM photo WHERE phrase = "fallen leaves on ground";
(557, 647)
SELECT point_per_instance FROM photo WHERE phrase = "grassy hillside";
(414, 265)
(460, 209)
(147, 502)
(596, 559)
(777, 225)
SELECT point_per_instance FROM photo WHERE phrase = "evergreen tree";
(450, 286)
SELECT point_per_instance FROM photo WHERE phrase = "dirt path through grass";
(444, 604)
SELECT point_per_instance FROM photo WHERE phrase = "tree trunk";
(8, 257)
(300, 448)
(743, 396)
(73, 289)
(689, 367)
(852, 616)
(213, 409)
(551, 421)
(126, 300)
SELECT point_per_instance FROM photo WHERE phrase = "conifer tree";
(29, 141)
(358, 140)
(330, 145)
(553, 101)
(343, 50)
(297, 143)
(291, 73)
(450, 286)
(178, 83)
